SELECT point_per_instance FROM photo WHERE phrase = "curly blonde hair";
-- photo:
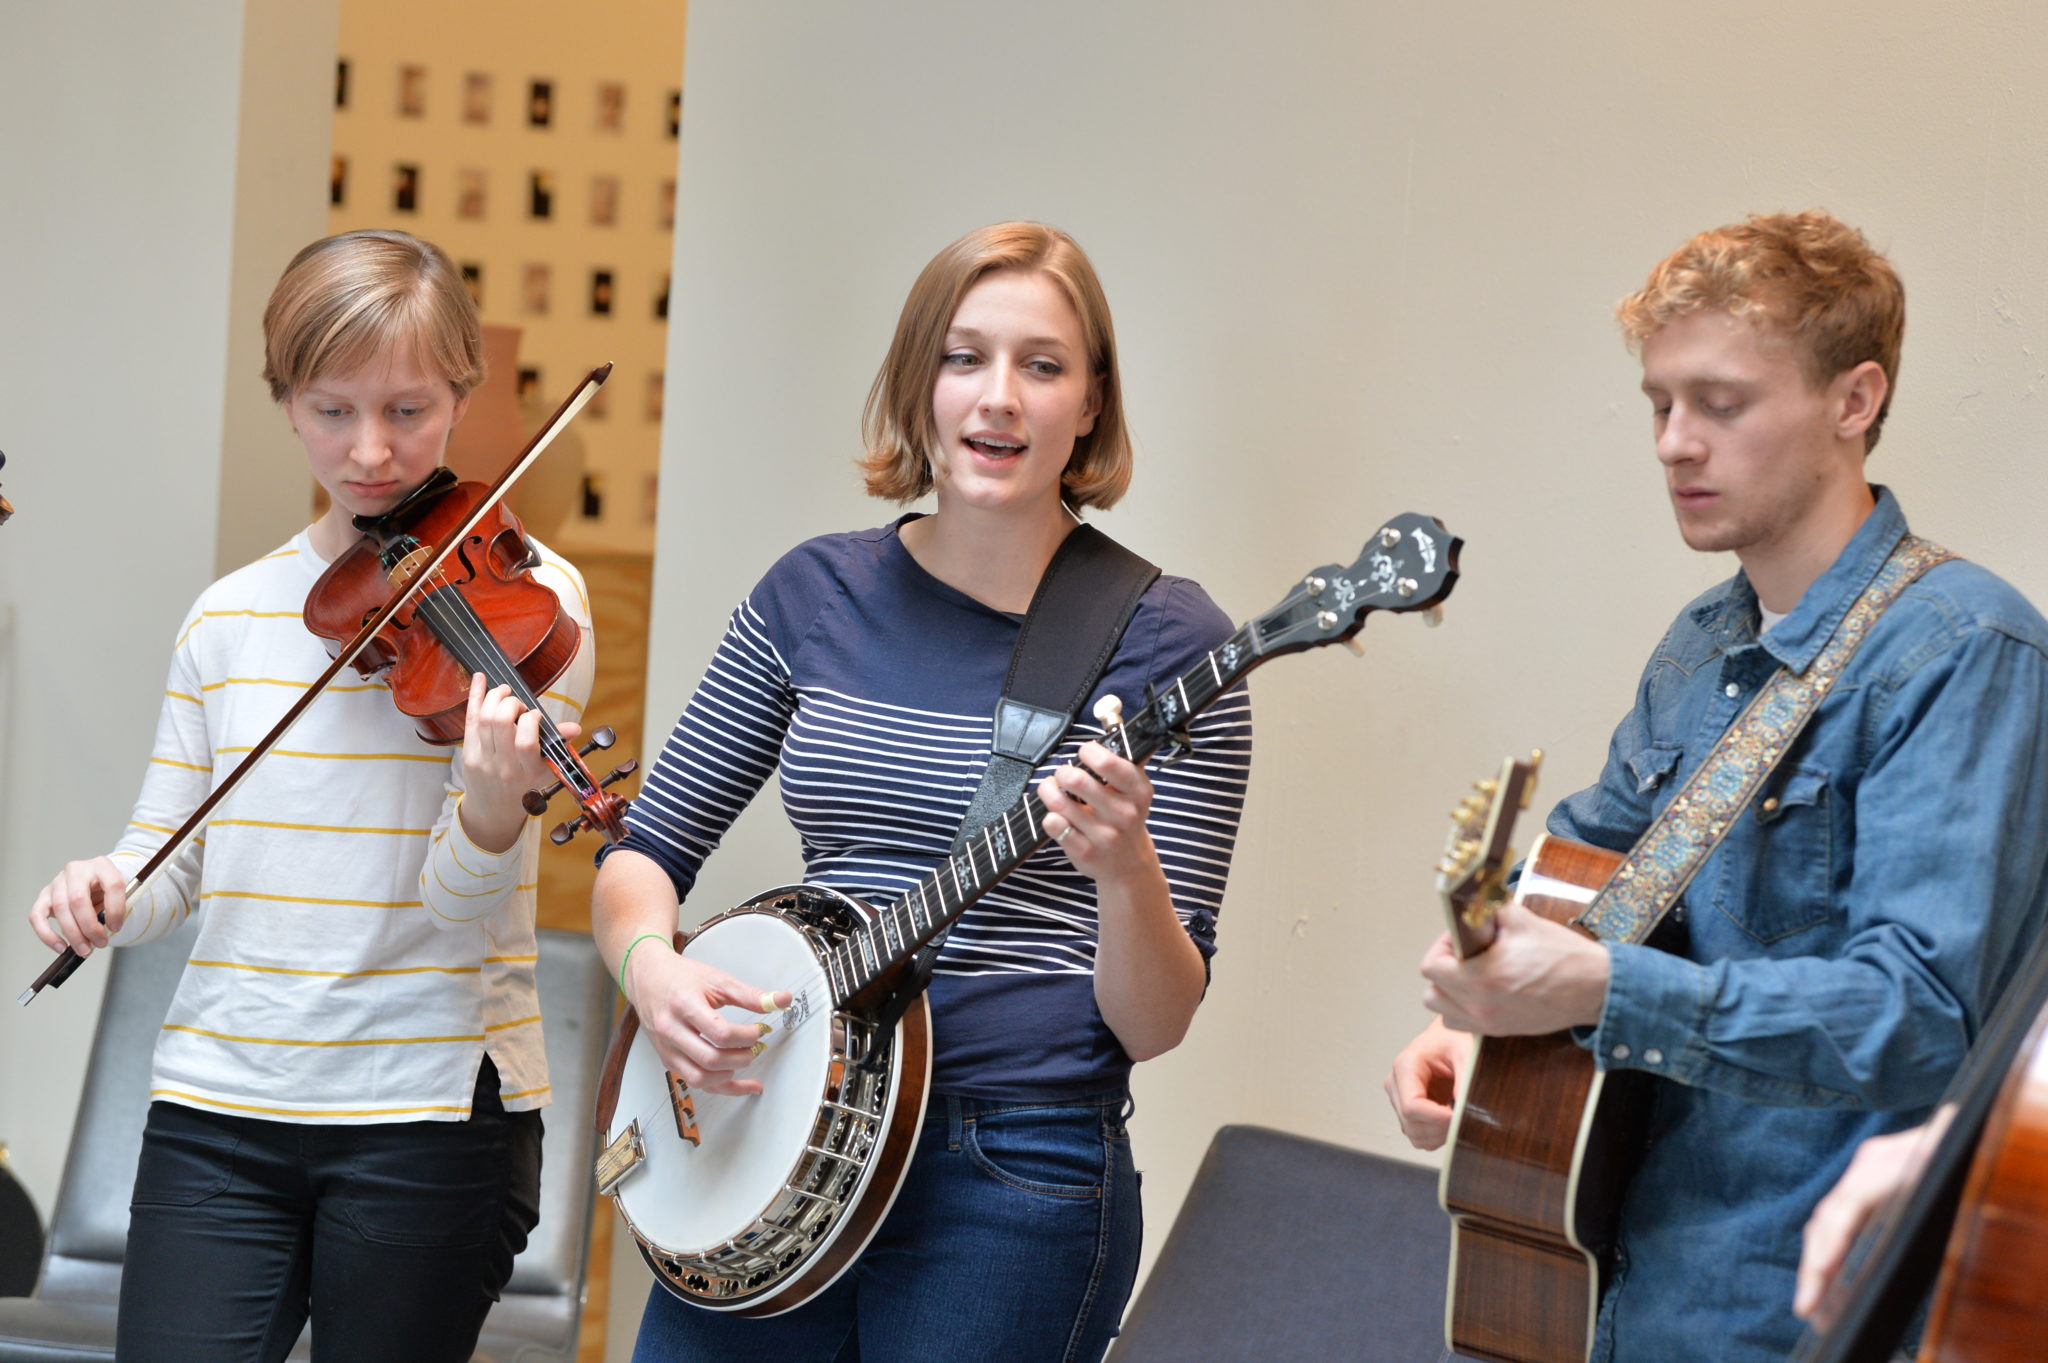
(1810, 277)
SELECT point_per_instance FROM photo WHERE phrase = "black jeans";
(396, 1236)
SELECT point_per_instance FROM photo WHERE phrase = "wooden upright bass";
(1975, 1221)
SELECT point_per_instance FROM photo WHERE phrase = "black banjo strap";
(1078, 614)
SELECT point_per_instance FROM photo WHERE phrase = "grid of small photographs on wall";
(443, 175)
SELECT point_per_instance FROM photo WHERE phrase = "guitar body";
(754, 1205)
(1537, 1164)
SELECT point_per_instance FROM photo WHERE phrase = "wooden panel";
(620, 588)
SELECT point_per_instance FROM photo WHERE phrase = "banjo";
(753, 1204)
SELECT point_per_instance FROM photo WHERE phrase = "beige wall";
(1362, 258)
(143, 186)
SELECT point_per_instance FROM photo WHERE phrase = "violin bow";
(69, 960)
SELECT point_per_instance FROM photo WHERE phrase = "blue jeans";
(1014, 1240)
(397, 1236)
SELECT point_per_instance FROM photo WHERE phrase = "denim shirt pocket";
(1777, 864)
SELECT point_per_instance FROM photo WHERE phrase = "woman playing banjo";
(863, 671)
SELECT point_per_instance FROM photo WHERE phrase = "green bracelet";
(629, 954)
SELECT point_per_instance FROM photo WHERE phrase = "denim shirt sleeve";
(1944, 881)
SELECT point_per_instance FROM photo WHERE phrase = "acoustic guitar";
(754, 1205)
(1540, 1146)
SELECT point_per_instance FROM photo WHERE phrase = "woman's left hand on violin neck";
(501, 761)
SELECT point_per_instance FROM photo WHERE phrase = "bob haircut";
(897, 422)
(1809, 277)
(346, 299)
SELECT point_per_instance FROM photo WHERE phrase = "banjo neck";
(870, 959)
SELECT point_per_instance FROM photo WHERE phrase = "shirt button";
(1653, 1056)
(1733, 690)
(1620, 1051)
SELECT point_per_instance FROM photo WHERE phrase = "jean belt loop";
(955, 1121)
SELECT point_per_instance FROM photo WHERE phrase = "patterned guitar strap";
(1663, 861)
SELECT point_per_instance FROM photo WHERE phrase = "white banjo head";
(690, 1198)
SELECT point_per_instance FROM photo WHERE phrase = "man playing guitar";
(1836, 953)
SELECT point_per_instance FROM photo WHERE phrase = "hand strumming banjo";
(752, 1205)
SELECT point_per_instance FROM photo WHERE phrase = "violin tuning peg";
(622, 771)
(535, 802)
(599, 738)
(562, 832)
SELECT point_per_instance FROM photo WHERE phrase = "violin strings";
(449, 614)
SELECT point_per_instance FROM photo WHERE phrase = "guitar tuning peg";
(1488, 786)
(1433, 617)
(1356, 647)
(1109, 712)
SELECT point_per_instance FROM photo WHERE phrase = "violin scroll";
(604, 811)
(600, 810)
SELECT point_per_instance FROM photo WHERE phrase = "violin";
(482, 612)
(422, 571)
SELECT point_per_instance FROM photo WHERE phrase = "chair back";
(1288, 1247)
(89, 1222)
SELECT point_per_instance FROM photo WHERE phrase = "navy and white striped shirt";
(869, 686)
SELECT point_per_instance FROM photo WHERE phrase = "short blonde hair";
(1808, 276)
(346, 299)
(897, 421)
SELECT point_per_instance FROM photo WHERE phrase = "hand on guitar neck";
(1537, 977)
(1501, 970)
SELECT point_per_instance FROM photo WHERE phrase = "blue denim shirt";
(1843, 944)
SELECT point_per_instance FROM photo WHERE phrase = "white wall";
(133, 220)
(1362, 259)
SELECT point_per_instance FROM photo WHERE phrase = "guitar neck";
(1001, 845)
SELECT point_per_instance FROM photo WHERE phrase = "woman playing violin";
(345, 1095)
(865, 668)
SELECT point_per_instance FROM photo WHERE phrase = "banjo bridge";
(620, 1158)
(685, 1108)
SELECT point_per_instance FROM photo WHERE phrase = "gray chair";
(70, 1317)
(1290, 1248)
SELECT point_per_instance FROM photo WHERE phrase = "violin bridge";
(685, 1110)
(620, 1158)
(401, 573)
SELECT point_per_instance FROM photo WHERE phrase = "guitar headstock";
(1409, 564)
(1469, 878)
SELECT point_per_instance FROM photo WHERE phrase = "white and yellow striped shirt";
(357, 954)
